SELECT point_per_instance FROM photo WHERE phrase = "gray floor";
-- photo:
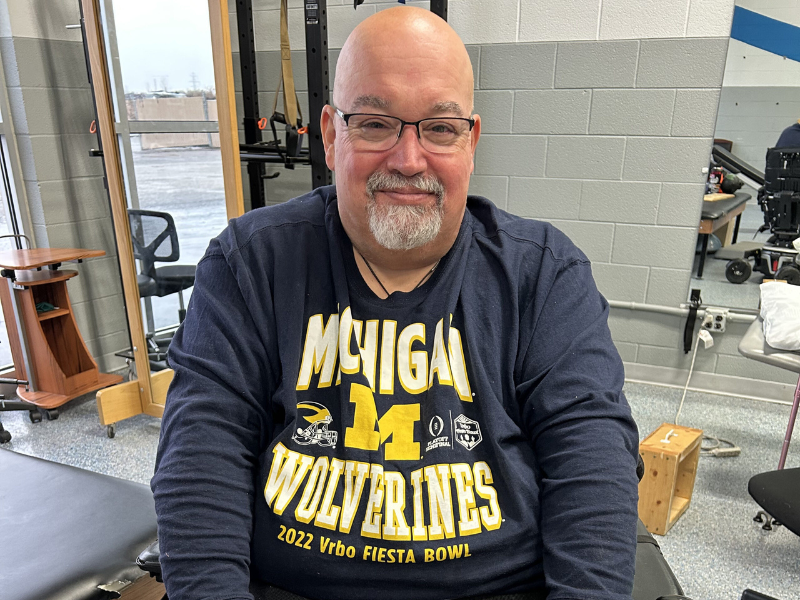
(715, 549)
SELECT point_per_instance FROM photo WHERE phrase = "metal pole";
(318, 86)
(247, 60)
(23, 338)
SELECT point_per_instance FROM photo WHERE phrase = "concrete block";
(521, 155)
(474, 52)
(740, 366)
(700, 25)
(728, 342)
(632, 112)
(341, 22)
(107, 345)
(544, 198)
(54, 111)
(689, 63)
(669, 247)
(109, 363)
(59, 157)
(556, 20)
(98, 278)
(627, 351)
(680, 204)
(32, 62)
(495, 109)
(594, 239)
(97, 234)
(73, 200)
(552, 111)
(620, 282)
(649, 328)
(100, 317)
(44, 20)
(622, 19)
(587, 156)
(619, 201)
(493, 187)
(675, 358)
(695, 113)
(669, 287)
(609, 64)
(517, 66)
(484, 21)
(678, 160)
(267, 27)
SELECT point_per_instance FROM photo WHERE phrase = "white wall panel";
(751, 66)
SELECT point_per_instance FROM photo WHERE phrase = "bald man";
(391, 389)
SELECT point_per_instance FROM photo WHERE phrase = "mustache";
(381, 180)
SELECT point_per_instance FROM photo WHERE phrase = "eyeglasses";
(376, 133)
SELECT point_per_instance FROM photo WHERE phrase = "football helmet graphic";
(317, 432)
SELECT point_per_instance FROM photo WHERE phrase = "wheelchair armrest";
(148, 561)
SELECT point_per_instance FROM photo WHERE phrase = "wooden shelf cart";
(47, 347)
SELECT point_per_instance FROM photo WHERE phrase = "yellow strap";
(289, 94)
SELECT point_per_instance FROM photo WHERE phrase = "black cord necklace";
(383, 287)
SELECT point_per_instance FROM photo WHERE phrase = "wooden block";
(670, 455)
(144, 588)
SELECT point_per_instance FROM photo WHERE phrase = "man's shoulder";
(524, 234)
(271, 224)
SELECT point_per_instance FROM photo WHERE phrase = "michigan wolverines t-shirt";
(469, 437)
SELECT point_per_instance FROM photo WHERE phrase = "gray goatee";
(401, 227)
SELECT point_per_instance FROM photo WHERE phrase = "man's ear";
(326, 125)
(475, 135)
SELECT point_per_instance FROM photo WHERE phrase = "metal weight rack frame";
(254, 152)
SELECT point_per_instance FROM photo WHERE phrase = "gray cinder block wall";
(51, 106)
(599, 118)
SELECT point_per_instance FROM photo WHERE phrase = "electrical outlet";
(715, 319)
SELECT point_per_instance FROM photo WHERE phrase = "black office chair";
(155, 239)
(778, 493)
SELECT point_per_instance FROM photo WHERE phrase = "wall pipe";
(733, 316)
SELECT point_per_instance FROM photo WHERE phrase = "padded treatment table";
(753, 345)
(66, 531)
(716, 214)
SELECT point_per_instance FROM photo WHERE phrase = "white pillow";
(780, 309)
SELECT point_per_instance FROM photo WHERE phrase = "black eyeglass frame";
(346, 118)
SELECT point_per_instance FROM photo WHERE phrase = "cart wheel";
(35, 416)
(790, 273)
(111, 430)
(738, 270)
(51, 414)
(5, 437)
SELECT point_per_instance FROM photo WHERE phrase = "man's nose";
(408, 156)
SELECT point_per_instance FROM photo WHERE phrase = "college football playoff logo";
(467, 432)
(317, 432)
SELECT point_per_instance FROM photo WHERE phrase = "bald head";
(403, 43)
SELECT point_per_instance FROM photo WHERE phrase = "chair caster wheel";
(759, 518)
(111, 430)
(51, 414)
(5, 437)
(35, 416)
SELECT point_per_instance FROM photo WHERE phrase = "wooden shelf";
(23, 260)
(31, 278)
(52, 314)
